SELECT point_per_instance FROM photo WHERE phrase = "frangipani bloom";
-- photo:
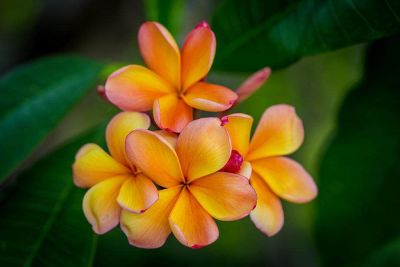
(273, 176)
(195, 191)
(114, 181)
(172, 85)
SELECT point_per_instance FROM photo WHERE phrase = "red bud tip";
(234, 163)
(224, 120)
(202, 24)
(197, 246)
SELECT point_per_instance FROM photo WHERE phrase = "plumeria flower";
(114, 181)
(173, 84)
(280, 132)
(195, 192)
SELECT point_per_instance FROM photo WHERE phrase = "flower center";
(234, 163)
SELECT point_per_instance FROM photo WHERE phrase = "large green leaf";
(250, 36)
(35, 97)
(167, 12)
(358, 204)
(41, 218)
(388, 256)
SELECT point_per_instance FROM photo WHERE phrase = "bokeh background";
(348, 99)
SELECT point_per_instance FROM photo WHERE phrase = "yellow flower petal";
(246, 169)
(268, 214)
(210, 97)
(190, 223)
(171, 138)
(238, 126)
(137, 194)
(203, 148)
(119, 127)
(160, 51)
(171, 113)
(93, 165)
(279, 132)
(100, 205)
(286, 178)
(155, 157)
(134, 88)
(151, 228)
(225, 196)
(198, 53)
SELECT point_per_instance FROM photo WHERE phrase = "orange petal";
(155, 157)
(286, 178)
(225, 196)
(203, 148)
(171, 138)
(151, 228)
(246, 169)
(171, 113)
(137, 194)
(252, 84)
(238, 126)
(210, 97)
(92, 165)
(268, 214)
(198, 53)
(160, 52)
(134, 88)
(119, 127)
(100, 206)
(279, 132)
(190, 223)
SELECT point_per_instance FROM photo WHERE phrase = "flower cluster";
(180, 178)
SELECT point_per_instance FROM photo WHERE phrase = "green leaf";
(388, 256)
(360, 178)
(250, 36)
(167, 12)
(42, 222)
(35, 97)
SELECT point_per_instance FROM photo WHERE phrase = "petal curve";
(225, 196)
(134, 88)
(286, 178)
(279, 132)
(210, 97)
(155, 157)
(203, 148)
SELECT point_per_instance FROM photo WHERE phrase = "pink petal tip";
(202, 24)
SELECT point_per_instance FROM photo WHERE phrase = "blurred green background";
(327, 61)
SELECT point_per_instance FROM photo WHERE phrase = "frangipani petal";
(210, 97)
(238, 126)
(279, 132)
(286, 178)
(160, 52)
(151, 228)
(155, 157)
(190, 223)
(225, 196)
(252, 84)
(246, 169)
(268, 214)
(119, 127)
(203, 148)
(134, 88)
(198, 53)
(100, 205)
(171, 138)
(137, 194)
(93, 165)
(172, 113)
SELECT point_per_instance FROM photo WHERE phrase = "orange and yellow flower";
(173, 84)
(114, 180)
(195, 191)
(280, 132)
